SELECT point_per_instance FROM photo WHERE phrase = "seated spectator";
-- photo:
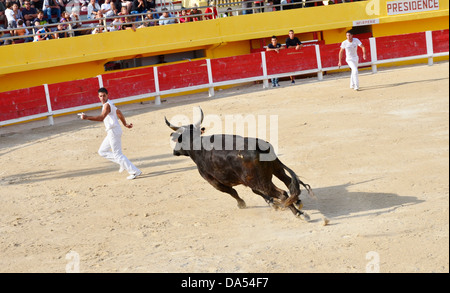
(3, 35)
(75, 17)
(128, 24)
(64, 18)
(50, 7)
(29, 13)
(211, 9)
(22, 31)
(17, 12)
(60, 33)
(92, 9)
(139, 6)
(150, 20)
(164, 19)
(100, 27)
(247, 4)
(183, 16)
(107, 9)
(127, 4)
(3, 23)
(228, 13)
(195, 14)
(116, 25)
(37, 4)
(40, 18)
(123, 12)
(41, 33)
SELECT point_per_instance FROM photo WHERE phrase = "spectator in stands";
(151, 5)
(260, 4)
(150, 19)
(293, 42)
(183, 16)
(195, 14)
(99, 28)
(127, 4)
(22, 31)
(17, 13)
(274, 46)
(40, 30)
(247, 4)
(165, 18)
(29, 13)
(3, 22)
(64, 18)
(139, 6)
(10, 17)
(37, 4)
(5, 34)
(123, 12)
(59, 33)
(92, 9)
(40, 18)
(75, 17)
(227, 13)
(129, 25)
(211, 9)
(50, 7)
(107, 9)
(277, 3)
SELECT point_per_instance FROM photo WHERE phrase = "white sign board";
(411, 6)
(366, 22)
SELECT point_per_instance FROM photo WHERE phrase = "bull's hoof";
(303, 216)
(242, 205)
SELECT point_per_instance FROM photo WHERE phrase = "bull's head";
(186, 137)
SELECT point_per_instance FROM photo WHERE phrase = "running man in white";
(111, 147)
(350, 45)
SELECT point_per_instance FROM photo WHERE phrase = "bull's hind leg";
(224, 188)
(281, 174)
(270, 200)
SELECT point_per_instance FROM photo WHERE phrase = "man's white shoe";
(133, 176)
(121, 169)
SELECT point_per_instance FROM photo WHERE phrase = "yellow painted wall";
(31, 64)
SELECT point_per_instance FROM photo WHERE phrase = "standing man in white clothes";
(350, 45)
(111, 147)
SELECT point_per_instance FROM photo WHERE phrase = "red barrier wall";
(401, 46)
(73, 93)
(236, 67)
(440, 41)
(129, 83)
(23, 102)
(289, 60)
(182, 75)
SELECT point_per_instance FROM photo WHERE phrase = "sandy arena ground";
(378, 160)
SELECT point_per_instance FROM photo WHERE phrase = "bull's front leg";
(224, 188)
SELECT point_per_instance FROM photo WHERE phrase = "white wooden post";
(264, 68)
(100, 80)
(319, 63)
(210, 78)
(49, 105)
(157, 97)
(373, 54)
(429, 39)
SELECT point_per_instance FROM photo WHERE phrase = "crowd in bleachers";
(37, 20)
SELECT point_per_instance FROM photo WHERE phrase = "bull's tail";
(294, 187)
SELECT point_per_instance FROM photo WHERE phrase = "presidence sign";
(411, 6)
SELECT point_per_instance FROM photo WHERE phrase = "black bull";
(229, 160)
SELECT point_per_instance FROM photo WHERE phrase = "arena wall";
(152, 83)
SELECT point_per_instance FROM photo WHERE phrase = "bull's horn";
(199, 122)
(173, 127)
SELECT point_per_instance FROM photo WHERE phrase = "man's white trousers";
(111, 148)
(354, 81)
